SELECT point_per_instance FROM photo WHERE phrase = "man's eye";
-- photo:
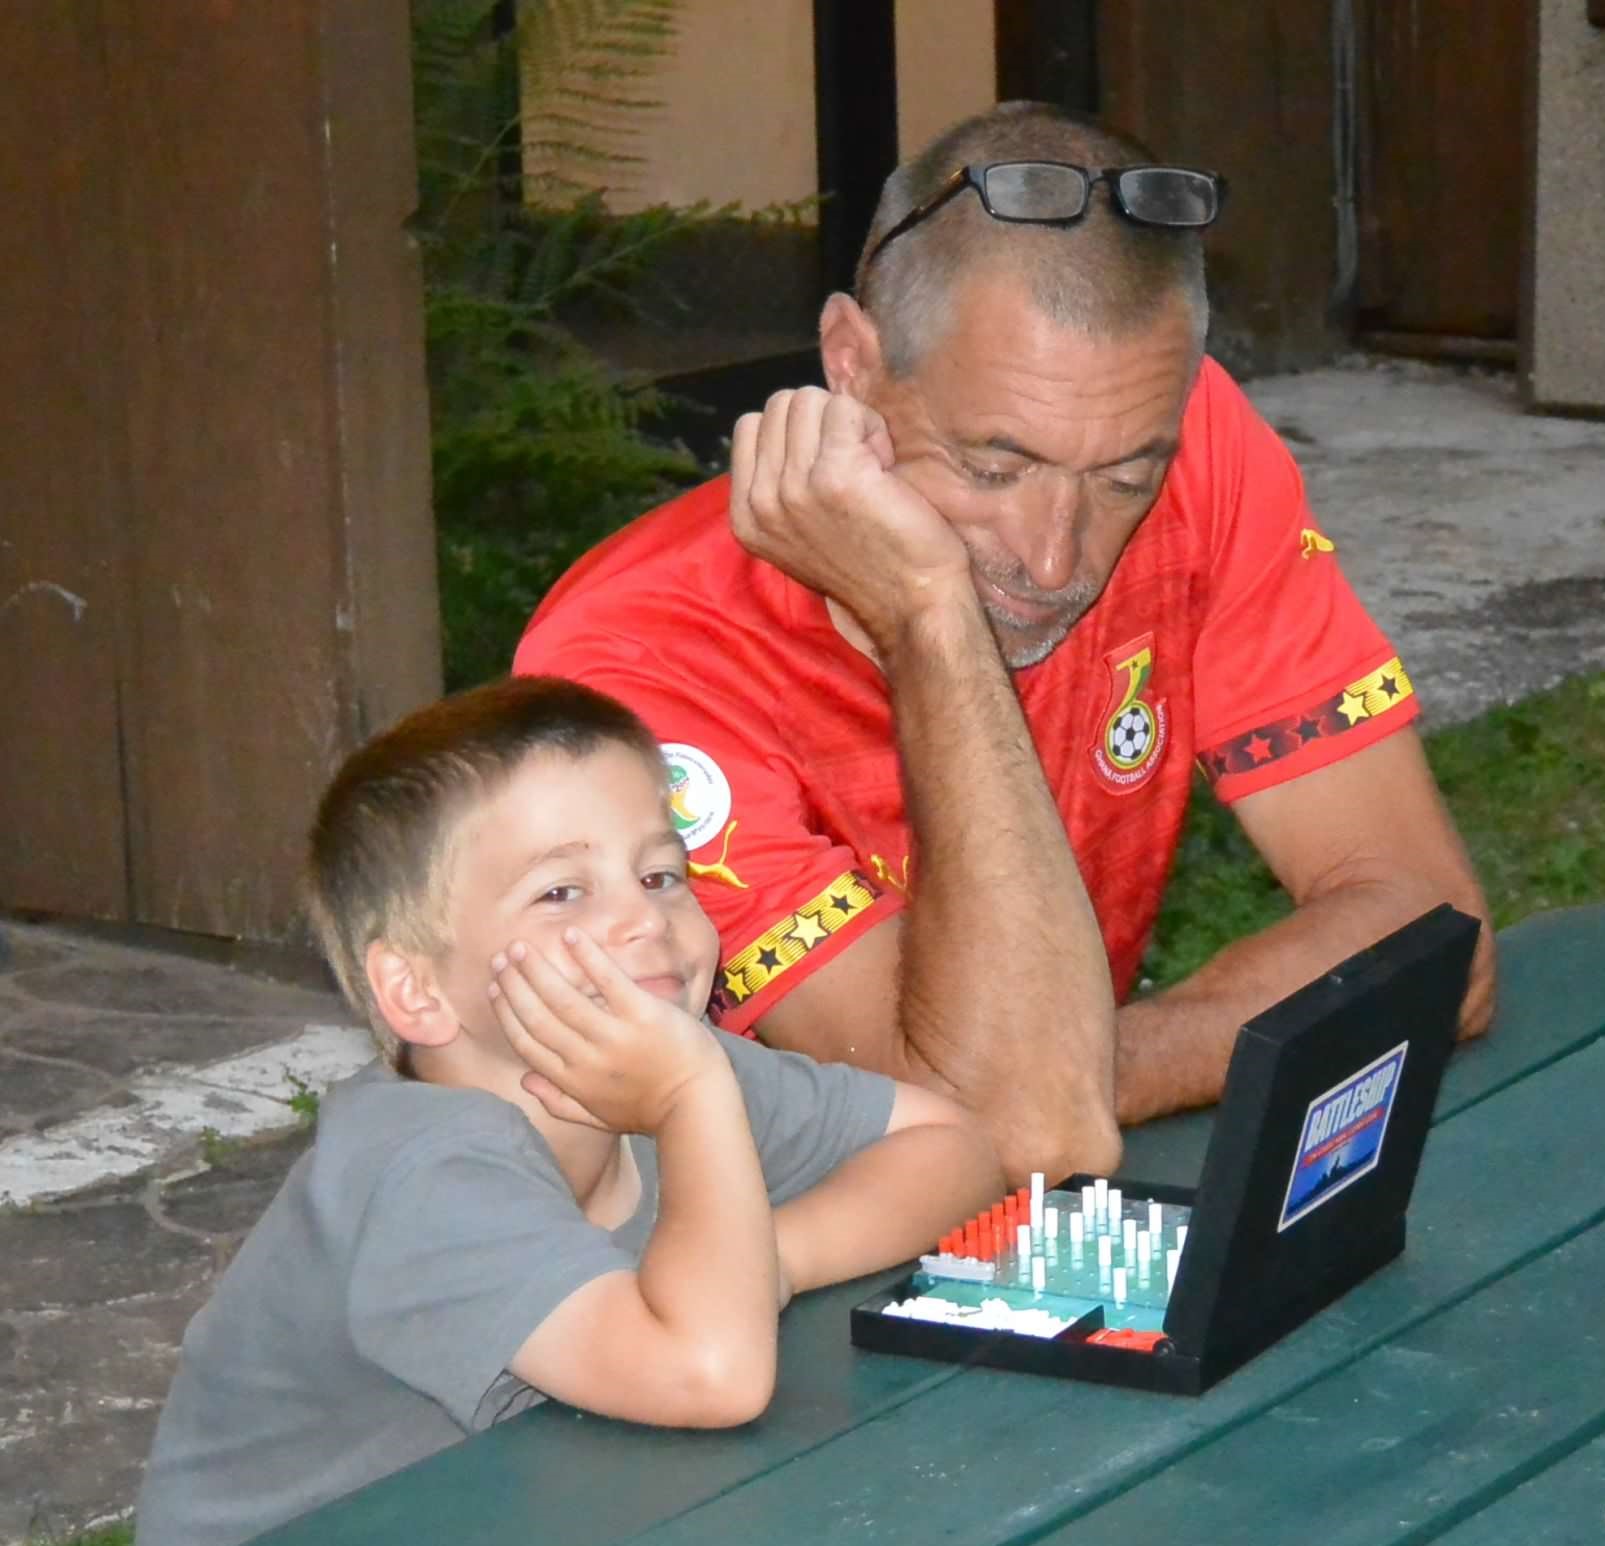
(1125, 488)
(988, 477)
(662, 880)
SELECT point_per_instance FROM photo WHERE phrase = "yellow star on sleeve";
(1352, 708)
(807, 930)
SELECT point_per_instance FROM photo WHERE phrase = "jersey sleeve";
(1290, 671)
(784, 895)
(472, 1240)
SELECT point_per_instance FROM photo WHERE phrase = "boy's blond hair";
(380, 854)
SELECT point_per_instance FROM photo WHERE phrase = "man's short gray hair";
(1104, 276)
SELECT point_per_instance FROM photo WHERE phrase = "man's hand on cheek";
(813, 491)
(606, 1053)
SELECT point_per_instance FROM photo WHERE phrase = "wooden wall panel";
(235, 560)
(1443, 177)
(264, 397)
(1443, 174)
(63, 491)
(1245, 89)
(391, 630)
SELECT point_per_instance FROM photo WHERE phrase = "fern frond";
(569, 50)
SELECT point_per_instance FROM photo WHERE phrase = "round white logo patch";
(699, 794)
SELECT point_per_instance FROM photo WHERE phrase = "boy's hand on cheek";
(609, 1054)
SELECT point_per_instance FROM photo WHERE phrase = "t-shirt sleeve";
(471, 1241)
(784, 896)
(1291, 673)
(807, 1117)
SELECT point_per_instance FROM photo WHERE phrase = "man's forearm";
(1005, 994)
(1173, 1048)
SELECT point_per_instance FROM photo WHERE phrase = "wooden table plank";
(1563, 1505)
(992, 1454)
(1413, 1438)
(1551, 1002)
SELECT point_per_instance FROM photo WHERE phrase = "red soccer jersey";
(1227, 634)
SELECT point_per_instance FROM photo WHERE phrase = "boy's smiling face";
(581, 842)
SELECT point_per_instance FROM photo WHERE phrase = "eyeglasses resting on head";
(1057, 193)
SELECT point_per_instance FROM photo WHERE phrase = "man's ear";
(409, 996)
(849, 346)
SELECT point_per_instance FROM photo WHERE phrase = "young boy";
(558, 1181)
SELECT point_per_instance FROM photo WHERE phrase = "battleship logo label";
(1342, 1137)
(699, 794)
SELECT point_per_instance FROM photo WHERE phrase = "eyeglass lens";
(1035, 190)
(1163, 195)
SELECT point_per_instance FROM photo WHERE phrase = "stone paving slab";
(145, 1120)
(114, 1059)
(97, 1292)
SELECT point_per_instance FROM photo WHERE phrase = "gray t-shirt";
(368, 1319)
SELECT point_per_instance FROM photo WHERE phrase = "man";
(934, 665)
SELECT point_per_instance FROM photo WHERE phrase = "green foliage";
(1526, 788)
(109, 1535)
(538, 449)
(1526, 785)
(1219, 890)
(216, 1150)
(303, 1099)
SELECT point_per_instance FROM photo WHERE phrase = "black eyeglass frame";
(974, 176)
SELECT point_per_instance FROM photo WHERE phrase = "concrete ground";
(1475, 532)
(149, 1098)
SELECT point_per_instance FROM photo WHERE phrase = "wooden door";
(1442, 173)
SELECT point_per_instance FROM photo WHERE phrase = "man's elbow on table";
(1056, 1142)
(1044, 1107)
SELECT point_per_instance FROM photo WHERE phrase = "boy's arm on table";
(892, 1199)
(688, 1338)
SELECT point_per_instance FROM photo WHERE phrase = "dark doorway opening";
(1047, 51)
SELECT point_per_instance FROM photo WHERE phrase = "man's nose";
(1044, 535)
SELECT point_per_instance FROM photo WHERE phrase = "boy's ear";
(409, 996)
(849, 346)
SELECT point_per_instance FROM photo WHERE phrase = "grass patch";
(1526, 786)
(304, 1101)
(111, 1535)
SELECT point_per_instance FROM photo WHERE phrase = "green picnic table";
(1457, 1396)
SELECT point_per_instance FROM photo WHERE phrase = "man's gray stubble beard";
(1006, 630)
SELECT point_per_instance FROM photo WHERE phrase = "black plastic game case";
(1261, 1258)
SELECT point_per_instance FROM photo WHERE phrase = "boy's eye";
(662, 880)
(559, 894)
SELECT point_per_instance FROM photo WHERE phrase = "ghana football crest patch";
(1134, 727)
